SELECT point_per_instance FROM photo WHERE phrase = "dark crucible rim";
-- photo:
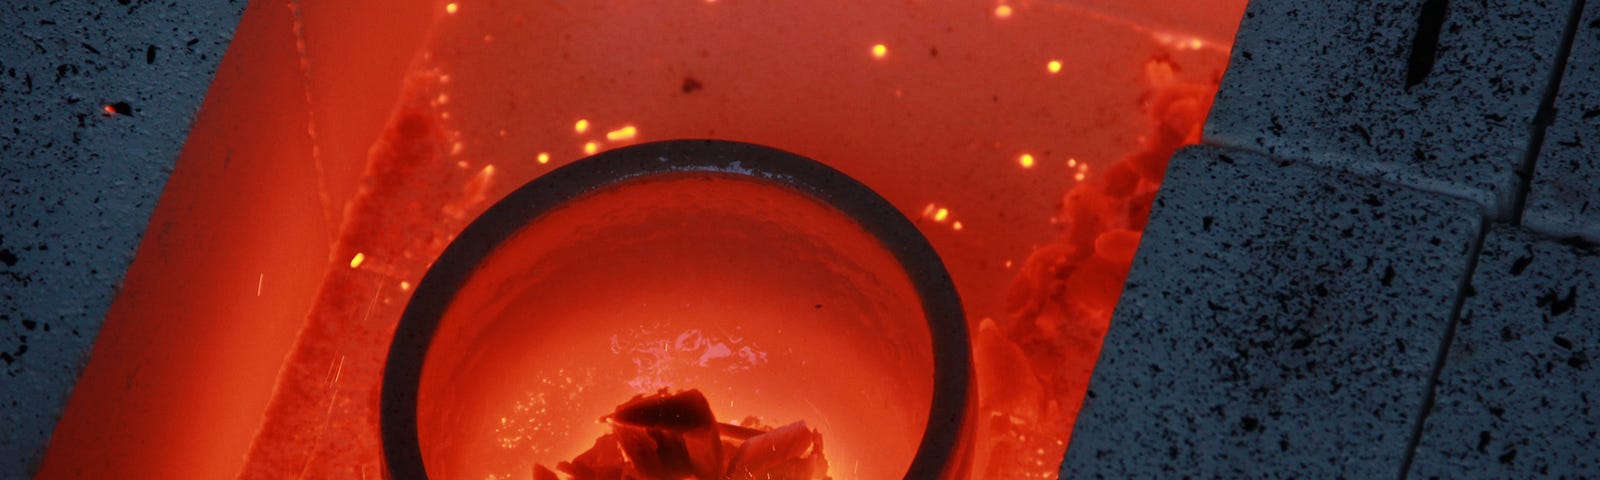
(437, 289)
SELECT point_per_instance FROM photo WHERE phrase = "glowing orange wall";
(938, 125)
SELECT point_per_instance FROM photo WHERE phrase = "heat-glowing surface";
(254, 239)
(771, 303)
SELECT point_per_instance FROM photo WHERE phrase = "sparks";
(880, 51)
(624, 133)
(956, 225)
(581, 126)
(544, 157)
(1054, 66)
(451, 8)
(941, 215)
(590, 148)
(1003, 11)
(355, 261)
(1026, 160)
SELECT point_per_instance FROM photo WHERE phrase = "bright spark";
(624, 133)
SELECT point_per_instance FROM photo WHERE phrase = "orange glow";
(355, 262)
(581, 126)
(1026, 160)
(764, 339)
(956, 226)
(1054, 66)
(1002, 11)
(110, 110)
(375, 174)
(624, 133)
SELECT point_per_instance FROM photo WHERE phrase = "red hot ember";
(673, 436)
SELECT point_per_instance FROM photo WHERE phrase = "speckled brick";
(1519, 396)
(1564, 198)
(1280, 320)
(1331, 82)
(77, 185)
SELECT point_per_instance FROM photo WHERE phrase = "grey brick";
(1564, 198)
(1327, 82)
(77, 186)
(1519, 396)
(1280, 320)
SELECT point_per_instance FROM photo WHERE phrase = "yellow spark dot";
(356, 260)
(1072, 162)
(880, 51)
(1003, 11)
(581, 126)
(940, 215)
(1026, 160)
(1078, 177)
(956, 225)
(1195, 44)
(591, 147)
(544, 157)
(1054, 66)
(405, 286)
(451, 8)
(624, 133)
(442, 99)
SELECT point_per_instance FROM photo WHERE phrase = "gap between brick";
(1545, 115)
